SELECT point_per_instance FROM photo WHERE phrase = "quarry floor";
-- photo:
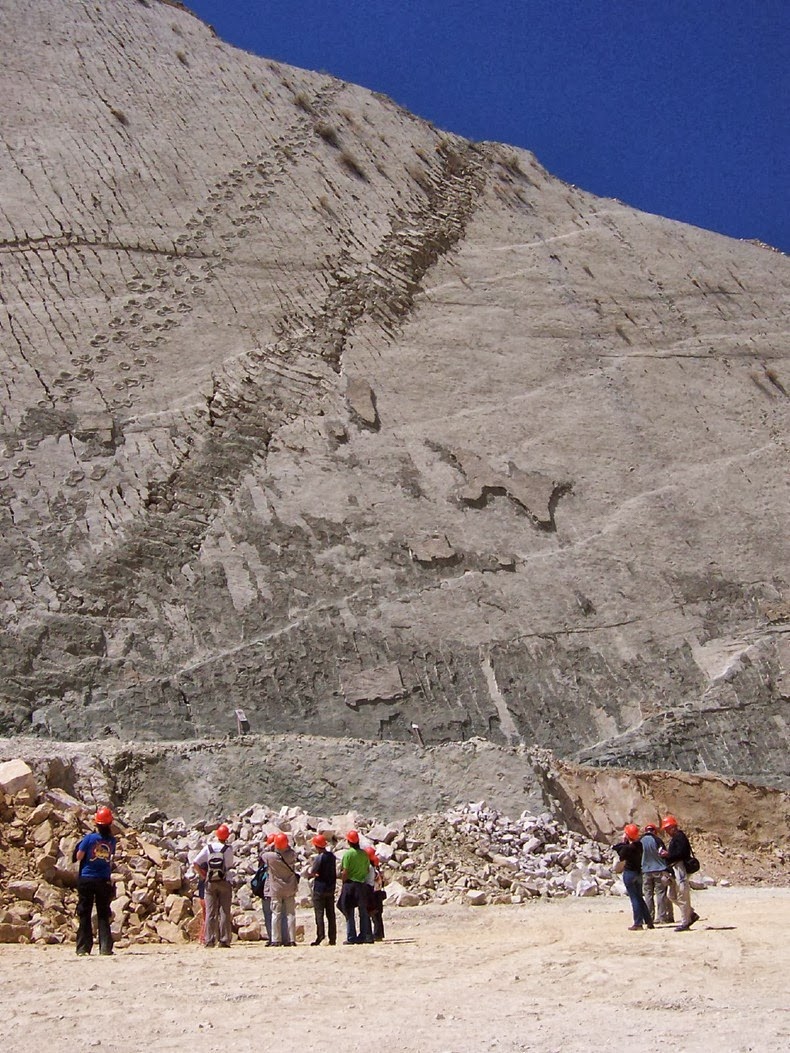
(558, 975)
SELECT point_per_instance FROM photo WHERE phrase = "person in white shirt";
(214, 864)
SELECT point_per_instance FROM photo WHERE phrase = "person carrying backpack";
(323, 871)
(95, 854)
(214, 865)
(676, 855)
(377, 894)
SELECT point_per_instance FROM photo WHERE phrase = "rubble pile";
(472, 854)
(481, 856)
(38, 835)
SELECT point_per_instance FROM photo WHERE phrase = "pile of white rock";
(521, 859)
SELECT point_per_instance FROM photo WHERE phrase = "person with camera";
(323, 873)
(676, 855)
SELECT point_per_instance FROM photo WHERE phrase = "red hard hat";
(668, 822)
(371, 854)
(319, 841)
(280, 841)
(270, 838)
(631, 831)
(103, 816)
(650, 828)
(352, 837)
(223, 832)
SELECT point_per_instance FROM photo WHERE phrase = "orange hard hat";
(280, 841)
(669, 822)
(352, 837)
(223, 832)
(103, 816)
(270, 838)
(319, 841)
(371, 854)
(650, 828)
(631, 831)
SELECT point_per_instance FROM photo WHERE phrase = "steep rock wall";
(313, 410)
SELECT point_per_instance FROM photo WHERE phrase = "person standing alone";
(214, 864)
(95, 854)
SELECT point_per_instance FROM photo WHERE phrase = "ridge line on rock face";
(156, 543)
(238, 427)
(53, 242)
(385, 288)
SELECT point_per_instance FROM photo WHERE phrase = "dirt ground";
(557, 975)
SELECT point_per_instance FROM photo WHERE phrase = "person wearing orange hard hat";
(283, 885)
(354, 894)
(630, 866)
(323, 873)
(214, 864)
(676, 855)
(95, 854)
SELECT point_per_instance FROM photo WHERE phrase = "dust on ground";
(550, 975)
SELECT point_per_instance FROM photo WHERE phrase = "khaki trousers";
(680, 892)
(219, 895)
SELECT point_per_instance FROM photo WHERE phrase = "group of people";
(361, 898)
(655, 875)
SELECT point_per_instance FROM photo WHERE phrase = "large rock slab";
(16, 776)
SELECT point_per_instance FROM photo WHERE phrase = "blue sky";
(682, 109)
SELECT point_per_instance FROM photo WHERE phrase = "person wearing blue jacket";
(95, 854)
(656, 876)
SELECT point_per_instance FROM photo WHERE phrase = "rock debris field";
(472, 855)
(516, 940)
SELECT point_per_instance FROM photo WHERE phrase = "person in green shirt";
(354, 867)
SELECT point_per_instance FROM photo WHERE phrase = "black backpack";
(258, 880)
(215, 866)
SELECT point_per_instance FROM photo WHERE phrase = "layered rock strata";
(314, 411)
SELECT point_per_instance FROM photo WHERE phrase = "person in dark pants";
(354, 895)
(95, 854)
(630, 853)
(377, 895)
(323, 872)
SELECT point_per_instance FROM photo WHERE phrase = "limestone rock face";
(312, 410)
